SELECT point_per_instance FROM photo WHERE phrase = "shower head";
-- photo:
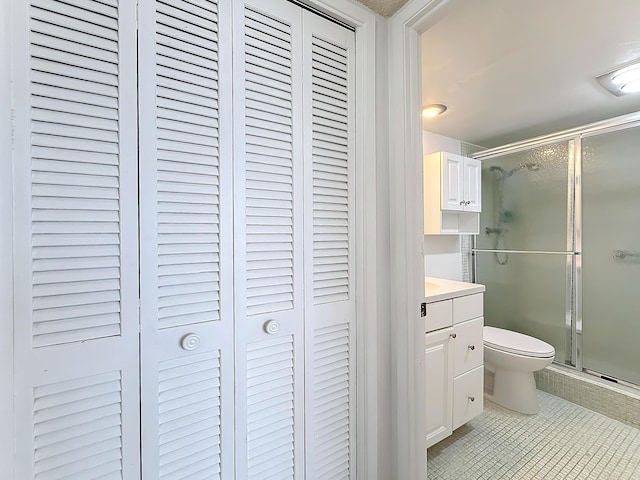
(532, 167)
(496, 168)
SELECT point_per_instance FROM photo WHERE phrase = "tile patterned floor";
(564, 441)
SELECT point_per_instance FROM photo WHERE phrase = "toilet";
(510, 358)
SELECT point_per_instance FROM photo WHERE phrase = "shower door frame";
(574, 137)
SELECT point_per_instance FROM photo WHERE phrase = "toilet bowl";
(511, 358)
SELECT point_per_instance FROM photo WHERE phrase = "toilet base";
(515, 390)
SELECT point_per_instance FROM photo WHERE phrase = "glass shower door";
(524, 251)
(611, 254)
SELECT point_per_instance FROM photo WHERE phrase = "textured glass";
(524, 207)
(524, 200)
(611, 254)
(527, 295)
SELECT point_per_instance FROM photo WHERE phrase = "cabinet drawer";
(468, 347)
(468, 401)
(438, 315)
(467, 307)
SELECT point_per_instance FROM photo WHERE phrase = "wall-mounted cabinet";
(452, 194)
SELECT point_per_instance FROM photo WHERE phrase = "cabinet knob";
(272, 327)
(472, 347)
(453, 335)
(190, 342)
(468, 202)
(462, 202)
(472, 398)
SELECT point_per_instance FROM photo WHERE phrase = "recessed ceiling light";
(623, 80)
(433, 110)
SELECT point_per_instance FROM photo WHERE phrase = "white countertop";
(436, 289)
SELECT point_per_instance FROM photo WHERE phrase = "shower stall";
(559, 244)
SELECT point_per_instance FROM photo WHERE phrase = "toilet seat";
(516, 343)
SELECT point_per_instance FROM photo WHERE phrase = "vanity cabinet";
(454, 364)
(452, 194)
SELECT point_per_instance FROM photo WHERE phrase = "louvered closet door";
(268, 254)
(76, 300)
(186, 239)
(330, 314)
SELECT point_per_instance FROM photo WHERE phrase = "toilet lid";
(518, 343)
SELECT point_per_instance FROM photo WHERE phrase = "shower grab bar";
(538, 252)
(622, 254)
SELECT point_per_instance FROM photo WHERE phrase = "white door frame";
(6, 246)
(366, 289)
(407, 263)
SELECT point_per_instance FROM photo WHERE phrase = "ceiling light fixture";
(623, 80)
(433, 110)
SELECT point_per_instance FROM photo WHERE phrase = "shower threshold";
(615, 399)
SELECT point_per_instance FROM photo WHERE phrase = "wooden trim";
(405, 173)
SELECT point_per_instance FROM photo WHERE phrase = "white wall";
(442, 256)
(6, 251)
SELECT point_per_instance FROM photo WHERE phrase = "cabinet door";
(187, 383)
(452, 182)
(76, 240)
(268, 257)
(472, 185)
(329, 246)
(439, 375)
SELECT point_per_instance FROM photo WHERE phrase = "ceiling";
(386, 8)
(512, 69)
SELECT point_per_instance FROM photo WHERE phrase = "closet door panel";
(329, 249)
(186, 240)
(76, 280)
(268, 254)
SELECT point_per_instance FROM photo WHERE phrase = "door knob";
(190, 341)
(272, 327)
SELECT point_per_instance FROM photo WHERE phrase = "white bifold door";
(294, 246)
(184, 246)
(76, 342)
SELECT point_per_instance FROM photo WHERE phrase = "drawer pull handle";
(472, 347)
(453, 335)
(472, 398)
